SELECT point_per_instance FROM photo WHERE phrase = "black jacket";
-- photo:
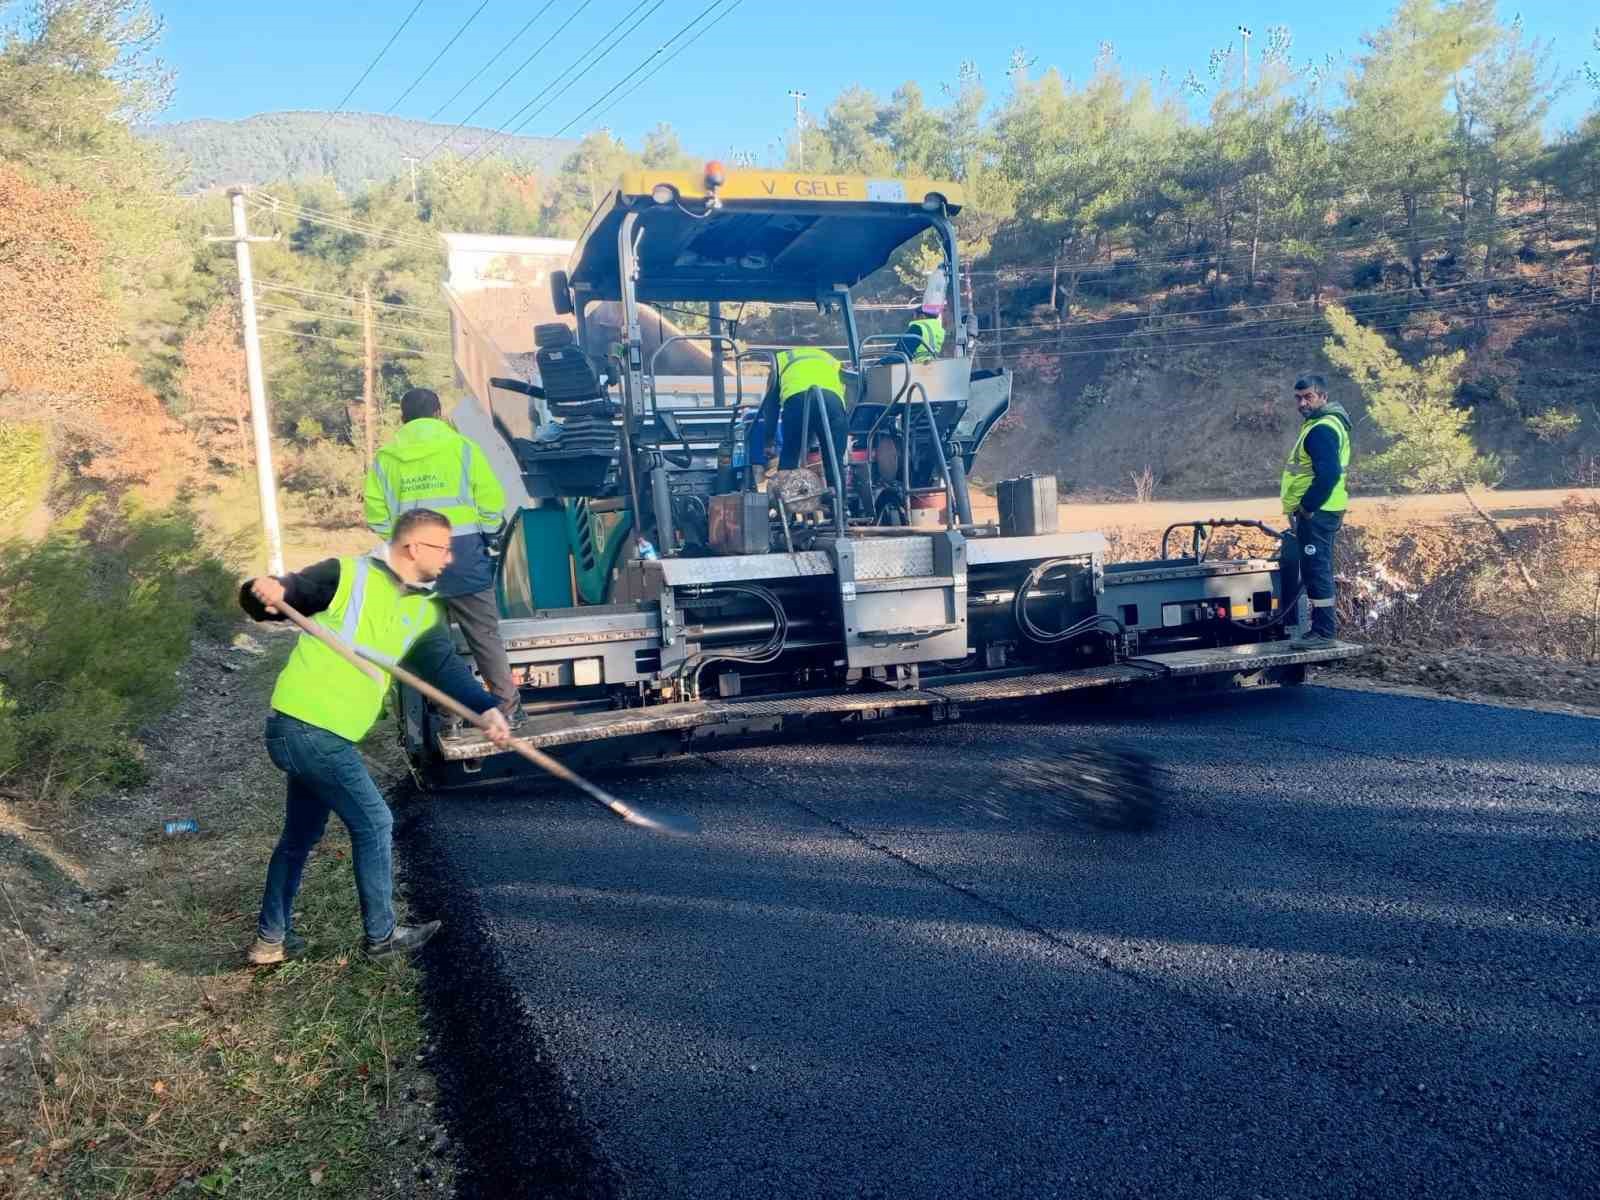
(432, 656)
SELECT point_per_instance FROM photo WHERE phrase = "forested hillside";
(1153, 257)
(355, 150)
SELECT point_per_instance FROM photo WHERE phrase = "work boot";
(406, 939)
(263, 953)
(1315, 641)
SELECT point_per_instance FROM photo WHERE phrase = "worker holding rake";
(382, 607)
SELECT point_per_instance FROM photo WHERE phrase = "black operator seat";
(571, 383)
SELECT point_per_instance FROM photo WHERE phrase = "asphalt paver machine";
(659, 596)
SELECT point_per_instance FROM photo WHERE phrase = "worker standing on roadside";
(1314, 497)
(429, 465)
(384, 605)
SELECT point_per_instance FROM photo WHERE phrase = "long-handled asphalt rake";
(534, 755)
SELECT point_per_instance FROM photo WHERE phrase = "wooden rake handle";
(534, 755)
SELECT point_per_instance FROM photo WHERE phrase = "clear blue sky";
(729, 88)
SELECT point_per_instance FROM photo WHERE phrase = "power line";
(438, 56)
(317, 337)
(667, 61)
(504, 83)
(311, 315)
(1446, 232)
(651, 57)
(610, 35)
(272, 205)
(494, 58)
(1244, 308)
(1047, 332)
(368, 71)
(270, 286)
(1551, 307)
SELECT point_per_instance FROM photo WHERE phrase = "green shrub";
(94, 623)
(24, 470)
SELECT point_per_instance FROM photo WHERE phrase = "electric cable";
(668, 60)
(573, 16)
(651, 57)
(368, 71)
(611, 35)
(494, 58)
(318, 337)
(435, 62)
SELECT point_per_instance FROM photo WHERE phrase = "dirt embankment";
(1440, 599)
(1510, 506)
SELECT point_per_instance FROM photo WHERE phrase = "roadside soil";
(138, 1055)
(1086, 514)
(1469, 674)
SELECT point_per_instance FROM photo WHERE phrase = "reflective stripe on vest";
(1299, 472)
(458, 506)
(931, 331)
(805, 368)
(377, 615)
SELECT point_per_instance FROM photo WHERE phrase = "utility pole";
(367, 380)
(413, 160)
(799, 126)
(266, 478)
(1244, 33)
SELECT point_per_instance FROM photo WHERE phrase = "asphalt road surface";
(1359, 957)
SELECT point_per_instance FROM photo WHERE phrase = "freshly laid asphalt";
(1360, 956)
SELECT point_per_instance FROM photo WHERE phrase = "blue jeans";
(1314, 536)
(327, 775)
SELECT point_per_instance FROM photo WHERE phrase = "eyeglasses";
(432, 546)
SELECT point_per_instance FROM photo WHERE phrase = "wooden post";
(368, 379)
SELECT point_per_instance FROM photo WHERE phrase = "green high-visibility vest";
(808, 367)
(1298, 472)
(372, 611)
(931, 331)
(430, 465)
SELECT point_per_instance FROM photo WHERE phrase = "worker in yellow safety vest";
(924, 336)
(795, 373)
(1314, 496)
(428, 464)
(382, 604)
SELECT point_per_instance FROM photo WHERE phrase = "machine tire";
(560, 294)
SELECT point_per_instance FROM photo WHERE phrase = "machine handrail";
(938, 449)
(738, 374)
(1200, 544)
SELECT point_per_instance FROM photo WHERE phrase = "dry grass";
(176, 1067)
(312, 530)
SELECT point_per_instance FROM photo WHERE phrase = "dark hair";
(1310, 382)
(418, 403)
(418, 518)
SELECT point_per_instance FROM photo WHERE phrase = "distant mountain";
(355, 149)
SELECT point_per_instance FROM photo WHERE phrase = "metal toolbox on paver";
(1028, 505)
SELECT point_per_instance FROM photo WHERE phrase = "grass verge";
(175, 1068)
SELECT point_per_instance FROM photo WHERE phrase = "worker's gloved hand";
(267, 590)
(496, 727)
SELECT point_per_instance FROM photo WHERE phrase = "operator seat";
(584, 453)
(566, 373)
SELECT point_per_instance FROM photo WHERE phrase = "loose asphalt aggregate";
(1358, 956)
